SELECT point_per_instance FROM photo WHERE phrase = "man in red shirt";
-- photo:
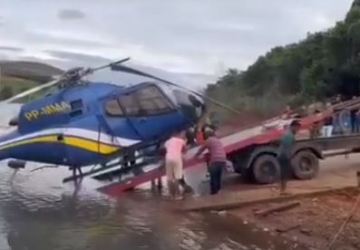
(217, 160)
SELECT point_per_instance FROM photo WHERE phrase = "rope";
(341, 229)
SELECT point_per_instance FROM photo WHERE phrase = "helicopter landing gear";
(74, 170)
(77, 178)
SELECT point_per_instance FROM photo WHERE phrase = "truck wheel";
(266, 169)
(305, 165)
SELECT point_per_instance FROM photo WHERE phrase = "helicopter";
(85, 123)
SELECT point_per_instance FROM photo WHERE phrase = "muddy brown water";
(38, 212)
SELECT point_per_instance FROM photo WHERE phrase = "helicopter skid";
(16, 164)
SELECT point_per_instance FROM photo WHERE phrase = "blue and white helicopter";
(81, 123)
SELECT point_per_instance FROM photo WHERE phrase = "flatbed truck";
(253, 153)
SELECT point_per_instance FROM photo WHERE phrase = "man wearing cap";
(284, 154)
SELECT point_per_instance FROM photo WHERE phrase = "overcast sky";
(192, 36)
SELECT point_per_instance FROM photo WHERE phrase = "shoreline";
(309, 217)
(312, 223)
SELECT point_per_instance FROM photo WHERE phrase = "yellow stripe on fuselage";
(81, 143)
(90, 145)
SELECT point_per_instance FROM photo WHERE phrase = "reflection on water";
(38, 212)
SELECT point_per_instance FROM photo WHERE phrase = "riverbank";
(312, 221)
(310, 216)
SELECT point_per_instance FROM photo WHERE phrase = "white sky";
(184, 36)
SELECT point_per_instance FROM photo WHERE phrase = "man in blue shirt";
(284, 154)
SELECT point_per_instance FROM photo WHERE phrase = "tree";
(320, 66)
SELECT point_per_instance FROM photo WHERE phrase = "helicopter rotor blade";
(141, 73)
(81, 72)
(33, 90)
(111, 64)
(62, 77)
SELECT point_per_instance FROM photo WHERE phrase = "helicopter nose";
(192, 106)
(198, 104)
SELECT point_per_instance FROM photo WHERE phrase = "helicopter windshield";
(148, 100)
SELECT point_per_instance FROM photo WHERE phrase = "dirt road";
(335, 172)
(324, 203)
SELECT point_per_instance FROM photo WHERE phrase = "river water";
(38, 212)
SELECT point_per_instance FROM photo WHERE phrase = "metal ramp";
(126, 173)
(122, 179)
(142, 172)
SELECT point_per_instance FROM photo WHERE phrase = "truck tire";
(305, 165)
(266, 169)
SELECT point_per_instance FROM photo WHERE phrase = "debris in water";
(222, 213)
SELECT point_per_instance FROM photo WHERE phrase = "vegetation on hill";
(18, 76)
(10, 86)
(322, 65)
(35, 71)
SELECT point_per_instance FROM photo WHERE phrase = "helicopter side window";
(153, 102)
(130, 104)
(146, 101)
(113, 107)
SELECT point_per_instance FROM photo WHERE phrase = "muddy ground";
(314, 222)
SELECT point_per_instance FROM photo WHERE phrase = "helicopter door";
(151, 112)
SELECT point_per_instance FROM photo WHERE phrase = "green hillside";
(322, 65)
(10, 86)
(18, 76)
(39, 72)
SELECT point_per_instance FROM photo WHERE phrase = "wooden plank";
(278, 208)
(288, 228)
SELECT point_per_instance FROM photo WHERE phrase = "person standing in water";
(284, 154)
(175, 148)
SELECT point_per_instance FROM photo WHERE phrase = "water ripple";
(38, 212)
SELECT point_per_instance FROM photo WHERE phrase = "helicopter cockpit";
(145, 103)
